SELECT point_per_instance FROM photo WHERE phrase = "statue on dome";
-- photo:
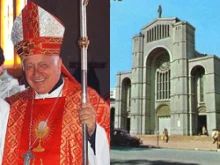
(159, 11)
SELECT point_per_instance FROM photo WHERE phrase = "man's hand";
(87, 115)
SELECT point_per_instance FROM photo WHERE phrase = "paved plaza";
(179, 142)
(180, 150)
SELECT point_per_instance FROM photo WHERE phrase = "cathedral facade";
(171, 85)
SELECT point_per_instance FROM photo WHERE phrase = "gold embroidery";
(41, 131)
(71, 139)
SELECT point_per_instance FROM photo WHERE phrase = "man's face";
(42, 72)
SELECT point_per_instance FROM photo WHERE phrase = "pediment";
(161, 21)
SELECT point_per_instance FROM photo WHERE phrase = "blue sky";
(128, 17)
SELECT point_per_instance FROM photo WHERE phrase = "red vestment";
(62, 140)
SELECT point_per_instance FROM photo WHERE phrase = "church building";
(170, 85)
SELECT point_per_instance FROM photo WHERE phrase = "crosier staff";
(83, 43)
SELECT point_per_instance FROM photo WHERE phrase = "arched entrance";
(158, 89)
(126, 104)
(198, 99)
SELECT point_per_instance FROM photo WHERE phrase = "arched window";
(163, 78)
(200, 84)
(8, 12)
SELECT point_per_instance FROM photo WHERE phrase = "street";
(154, 156)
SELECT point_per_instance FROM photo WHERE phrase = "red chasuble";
(45, 137)
(60, 143)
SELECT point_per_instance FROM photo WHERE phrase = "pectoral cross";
(27, 157)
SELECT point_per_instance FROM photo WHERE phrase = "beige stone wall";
(177, 39)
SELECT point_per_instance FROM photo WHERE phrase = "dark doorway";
(112, 118)
(202, 121)
(128, 124)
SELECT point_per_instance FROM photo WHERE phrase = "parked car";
(121, 137)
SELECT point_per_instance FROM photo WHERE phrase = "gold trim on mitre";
(35, 31)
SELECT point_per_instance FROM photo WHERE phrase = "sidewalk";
(180, 142)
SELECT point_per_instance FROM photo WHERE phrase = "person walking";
(165, 135)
